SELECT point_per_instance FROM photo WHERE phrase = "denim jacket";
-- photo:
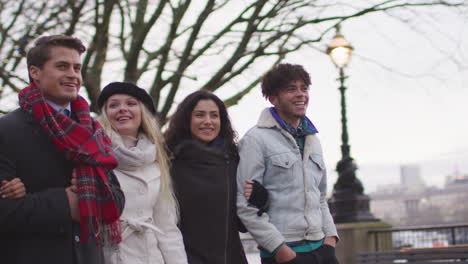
(297, 186)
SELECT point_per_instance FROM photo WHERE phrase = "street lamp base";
(348, 202)
(347, 206)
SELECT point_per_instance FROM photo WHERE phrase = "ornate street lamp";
(348, 202)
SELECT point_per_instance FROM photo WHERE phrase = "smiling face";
(124, 113)
(59, 78)
(205, 122)
(291, 102)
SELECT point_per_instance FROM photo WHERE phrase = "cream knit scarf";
(132, 157)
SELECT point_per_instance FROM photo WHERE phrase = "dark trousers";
(322, 255)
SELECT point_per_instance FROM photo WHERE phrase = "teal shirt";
(296, 246)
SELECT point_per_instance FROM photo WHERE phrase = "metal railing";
(249, 244)
(404, 237)
(419, 237)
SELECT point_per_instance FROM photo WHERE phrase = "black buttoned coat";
(38, 228)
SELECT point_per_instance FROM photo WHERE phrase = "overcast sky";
(406, 97)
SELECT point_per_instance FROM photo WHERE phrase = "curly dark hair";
(280, 76)
(40, 53)
(179, 124)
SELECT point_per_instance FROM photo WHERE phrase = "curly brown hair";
(179, 124)
(280, 76)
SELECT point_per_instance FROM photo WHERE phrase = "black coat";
(205, 186)
(38, 228)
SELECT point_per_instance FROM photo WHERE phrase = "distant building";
(410, 175)
(455, 179)
(412, 203)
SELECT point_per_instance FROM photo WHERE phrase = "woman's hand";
(256, 195)
(13, 189)
(248, 187)
(72, 195)
(74, 182)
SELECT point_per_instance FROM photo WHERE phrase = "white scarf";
(132, 157)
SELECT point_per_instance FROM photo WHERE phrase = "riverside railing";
(420, 236)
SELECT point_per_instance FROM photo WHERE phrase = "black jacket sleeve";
(36, 212)
(259, 198)
(42, 212)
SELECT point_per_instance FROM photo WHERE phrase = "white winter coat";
(149, 224)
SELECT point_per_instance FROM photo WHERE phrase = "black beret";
(126, 88)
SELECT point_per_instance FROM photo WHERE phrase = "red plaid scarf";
(85, 144)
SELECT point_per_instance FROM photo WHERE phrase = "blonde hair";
(150, 127)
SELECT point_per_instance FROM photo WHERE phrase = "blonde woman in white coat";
(149, 220)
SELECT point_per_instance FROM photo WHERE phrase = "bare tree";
(172, 47)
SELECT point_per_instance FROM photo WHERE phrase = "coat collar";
(197, 151)
(266, 120)
(311, 145)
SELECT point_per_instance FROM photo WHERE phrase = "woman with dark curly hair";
(204, 164)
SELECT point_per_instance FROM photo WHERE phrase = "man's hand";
(284, 254)
(331, 240)
(13, 189)
(73, 203)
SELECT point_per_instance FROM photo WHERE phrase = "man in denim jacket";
(283, 153)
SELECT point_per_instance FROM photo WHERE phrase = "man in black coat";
(44, 225)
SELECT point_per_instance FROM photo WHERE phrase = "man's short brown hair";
(40, 53)
(280, 76)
